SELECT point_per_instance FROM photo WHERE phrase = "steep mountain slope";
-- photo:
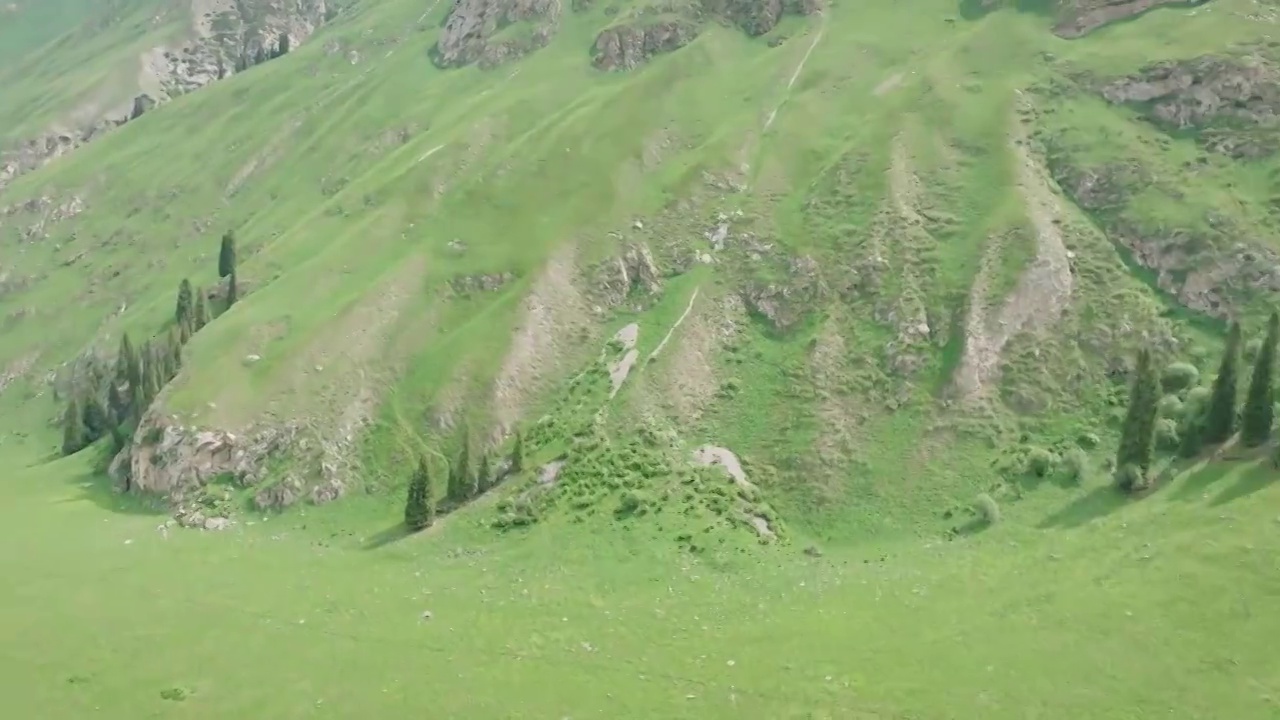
(741, 277)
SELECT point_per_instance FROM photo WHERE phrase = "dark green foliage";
(96, 420)
(128, 368)
(1179, 376)
(200, 317)
(1220, 418)
(117, 405)
(72, 428)
(227, 255)
(185, 331)
(1259, 412)
(282, 46)
(173, 355)
(484, 473)
(517, 454)
(186, 303)
(461, 481)
(233, 292)
(420, 506)
(1191, 431)
(1137, 433)
(260, 56)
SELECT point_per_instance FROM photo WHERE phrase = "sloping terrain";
(733, 308)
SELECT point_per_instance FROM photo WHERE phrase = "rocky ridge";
(471, 33)
(1078, 18)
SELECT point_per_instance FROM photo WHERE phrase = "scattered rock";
(251, 359)
(1081, 17)
(216, 523)
(1235, 103)
(465, 285)
(628, 46)
(467, 34)
(547, 474)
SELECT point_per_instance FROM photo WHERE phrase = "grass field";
(826, 218)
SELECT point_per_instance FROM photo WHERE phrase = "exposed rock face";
(1081, 17)
(178, 461)
(44, 212)
(626, 47)
(632, 274)
(1235, 102)
(468, 34)
(757, 17)
(1208, 271)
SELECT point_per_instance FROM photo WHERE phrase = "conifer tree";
(1134, 456)
(420, 507)
(72, 428)
(517, 453)
(1220, 418)
(1259, 410)
(173, 356)
(117, 405)
(186, 303)
(126, 359)
(184, 331)
(227, 254)
(1191, 432)
(94, 420)
(233, 292)
(461, 481)
(201, 315)
(282, 47)
(484, 474)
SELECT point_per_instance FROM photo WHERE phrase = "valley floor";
(1080, 605)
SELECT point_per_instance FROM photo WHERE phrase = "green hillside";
(814, 327)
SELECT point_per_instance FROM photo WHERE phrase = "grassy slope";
(1050, 615)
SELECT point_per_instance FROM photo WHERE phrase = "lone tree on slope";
(1259, 412)
(186, 303)
(1220, 418)
(72, 428)
(1134, 456)
(420, 506)
(233, 291)
(227, 255)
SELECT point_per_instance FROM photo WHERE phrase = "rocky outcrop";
(757, 17)
(628, 46)
(1209, 270)
(177, 461)
(471, 32)
(1235, 103)
(42, 213)
(633, 274)
(1078, 18)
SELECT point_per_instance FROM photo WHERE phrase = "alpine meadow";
(839, 359)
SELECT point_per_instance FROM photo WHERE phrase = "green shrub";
(1179, 376)
(1041, 462)
(1076, 465)
(987, 508)
(1198, 397)
(1130, 478)
(1088, 440)
(1170, 407)
(1166, 434)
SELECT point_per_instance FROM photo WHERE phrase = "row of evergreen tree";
(462, 483)
(1214, 423)
(113, 404)
(246, 60)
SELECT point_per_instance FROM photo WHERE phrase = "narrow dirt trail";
(1042, 292)
(688, 308)
(822, 29)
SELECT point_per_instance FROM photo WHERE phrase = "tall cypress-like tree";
(461, 482)
(173, 355)
(186, 303)
(117, 405)
(420, 506)
(233, 292)
(282, 46)
(517, 453)
(72, 428)
(1259, 410)
(201, 316)
(484, 473)
(1134, 456)
(1220, 418)
(126, 359)
(95, 419)
(227, 254)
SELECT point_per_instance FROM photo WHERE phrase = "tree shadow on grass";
(99, 489)
(386, 537)
(1194, 486)
(1096, 503)
(1258, 476)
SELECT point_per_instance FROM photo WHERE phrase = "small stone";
(637, 225)
(426, 615)
(251, 359)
